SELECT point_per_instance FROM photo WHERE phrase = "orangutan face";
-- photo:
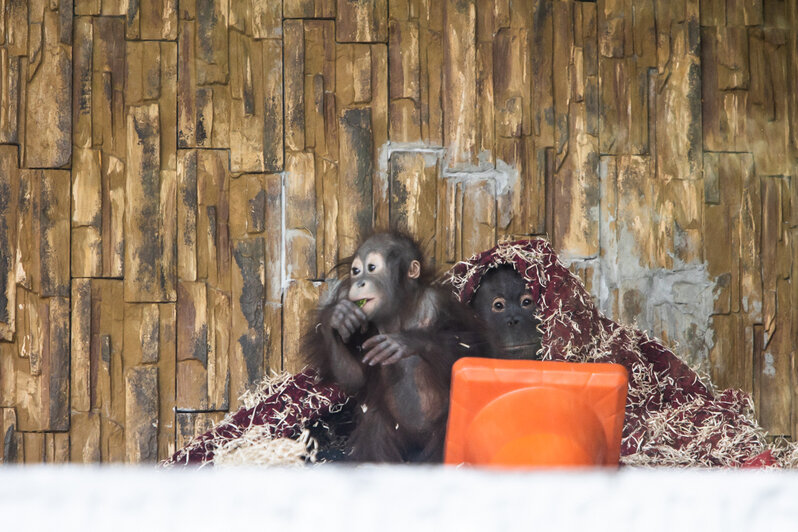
(506, 306)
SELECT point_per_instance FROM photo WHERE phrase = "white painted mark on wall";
(770, 366)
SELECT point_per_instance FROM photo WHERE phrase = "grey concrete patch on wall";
(503, 175)
(674, 305)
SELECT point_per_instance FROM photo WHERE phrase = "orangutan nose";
(513, 321)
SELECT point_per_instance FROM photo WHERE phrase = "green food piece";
(360, 302)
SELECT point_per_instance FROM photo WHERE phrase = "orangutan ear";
(414, 271)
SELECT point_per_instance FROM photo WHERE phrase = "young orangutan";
(389, 337)
(507, 308)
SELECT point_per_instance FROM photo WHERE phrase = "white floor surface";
(327, 498)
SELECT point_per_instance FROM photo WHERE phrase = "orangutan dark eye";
(355, 271)
(498, 305)
(371, 267)
(525, 302)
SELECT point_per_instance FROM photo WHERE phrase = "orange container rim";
(496, 404)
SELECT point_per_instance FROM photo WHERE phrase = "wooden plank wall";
(178, 176)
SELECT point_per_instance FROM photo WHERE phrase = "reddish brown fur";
(402, 405)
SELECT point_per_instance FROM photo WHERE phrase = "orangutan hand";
(386, 349)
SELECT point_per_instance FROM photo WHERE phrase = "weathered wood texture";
(178, 179)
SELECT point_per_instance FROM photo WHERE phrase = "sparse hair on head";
(402, 247)
(400, 244)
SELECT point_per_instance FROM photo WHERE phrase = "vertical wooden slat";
(42, 378)
(106, 370)
(724, 120)
(748, 298)
(327, 238)
(54, 246)
(187, 206)
(627, 49)
(84, 445)
(512, 99)
(678, 144)
(300, 216)
(212, 51)
(11, 444)
(361, 21)
(775, 358)
(28, 235)
(189, 118)
(379, 109)
(8, 378)
(11, 83)
(56, 447)
(192, 346)
(113, 217)
(460, 82)
(273, 105)
(108, 64)
(246, 354)
(56, 366)
(141, 414)
(771, 236)
(413, 195)
(575, 186)
(151, 20)
(431, 76)
(213, 234)
(254, 104)
(273, 275)
(355, 175)
(9, 190)
(478, 217)
(541, 71)
(80, 353)
(219, 310)
(300, 302)
(489, 23)
(294, 83)
(42, 370)
(273, 216)
(87, 248)
(33, 444)
(149, 194)
(167, 394)
(768, 100)
(722, 220)
(167, 102)
(48, 113)
(320, 136)
(794, 325)
(792, 55)
(82, 81)
(319, 78)
(404, 89)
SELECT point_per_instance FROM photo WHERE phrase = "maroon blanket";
(284, 404)
(672, 417)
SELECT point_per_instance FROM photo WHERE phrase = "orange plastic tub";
(535, 414)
